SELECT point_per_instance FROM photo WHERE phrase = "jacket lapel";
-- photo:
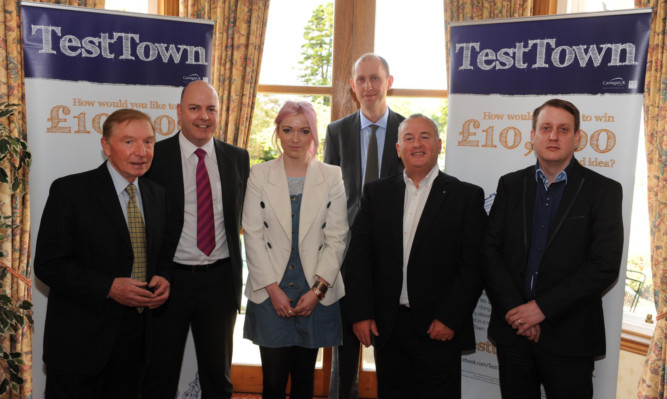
(314, 195)
(353, 149)
(389, 157)
(574, 184)
(227, 181)
(396, 203)
(147, 201)
(175, 166)
(106, 195)
(277, 194)
(436, 198)
(529, 187)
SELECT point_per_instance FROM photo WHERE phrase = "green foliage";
(12, 319)
(317, 50)
(12, 316)
(14, 148)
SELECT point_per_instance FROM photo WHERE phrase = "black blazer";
(342, 148)
(83, 244)
(233, 166)
(444, 279)
(581, 260)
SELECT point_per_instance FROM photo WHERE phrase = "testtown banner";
(500, 71)
(81, 65)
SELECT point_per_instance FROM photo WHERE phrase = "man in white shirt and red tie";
(205, 179)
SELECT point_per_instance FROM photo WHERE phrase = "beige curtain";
(652, 382)
(16, 245)
(473, 10)
(238, 41)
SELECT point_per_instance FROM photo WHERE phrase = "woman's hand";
(280, 301)
(306, 304)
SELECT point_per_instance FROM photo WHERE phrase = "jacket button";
(269, 244)
(261, 203)
(291, 284)
(329, 204)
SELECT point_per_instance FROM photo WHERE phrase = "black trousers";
(344, 382)
(411, 365)
(203, 301)
(525, 366)
(126, 364)
(280, 363)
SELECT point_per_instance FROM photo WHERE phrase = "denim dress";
(263, 326)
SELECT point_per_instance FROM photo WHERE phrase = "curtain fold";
(473, 10)
(653, 379)
(238, 41)
(17, 285)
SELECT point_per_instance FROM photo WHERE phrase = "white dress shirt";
(187, 252)
(413, 206)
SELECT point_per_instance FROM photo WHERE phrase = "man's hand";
(363, 329)
(533, 333)
(525, 316)
(130, 292)
(161, 288)
(438, 331)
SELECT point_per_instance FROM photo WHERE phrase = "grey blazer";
(342, 148)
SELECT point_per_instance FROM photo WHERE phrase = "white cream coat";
(267, 226)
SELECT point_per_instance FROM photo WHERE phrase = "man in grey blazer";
(370, 133)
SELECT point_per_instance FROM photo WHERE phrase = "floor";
(249, 396)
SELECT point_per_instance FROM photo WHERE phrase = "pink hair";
(294, 108)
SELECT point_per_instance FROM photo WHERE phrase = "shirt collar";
(428, 180)
(381, 123)
(560, 177)
(188, 148)
(119, 182)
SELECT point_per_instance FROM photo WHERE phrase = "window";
(638, 304)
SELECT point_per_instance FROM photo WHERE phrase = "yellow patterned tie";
(137, 235)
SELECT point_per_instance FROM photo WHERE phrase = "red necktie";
(205, 222)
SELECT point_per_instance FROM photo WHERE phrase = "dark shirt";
(547, 200)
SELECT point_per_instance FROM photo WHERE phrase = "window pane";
(127, 5)
(411, 36)
(293, 55)
(599, 5)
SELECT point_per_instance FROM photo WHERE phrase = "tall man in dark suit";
(98, 250)
(205, 179)
(349, 144)
(412, 274)
(553, 247)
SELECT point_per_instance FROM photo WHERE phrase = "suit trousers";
(411, 365)
(344, 382)
(525, 366)
(126, 363)
(204, 301)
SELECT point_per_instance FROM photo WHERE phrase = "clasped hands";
(283, 307)
(526, 320)
(137, 294)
